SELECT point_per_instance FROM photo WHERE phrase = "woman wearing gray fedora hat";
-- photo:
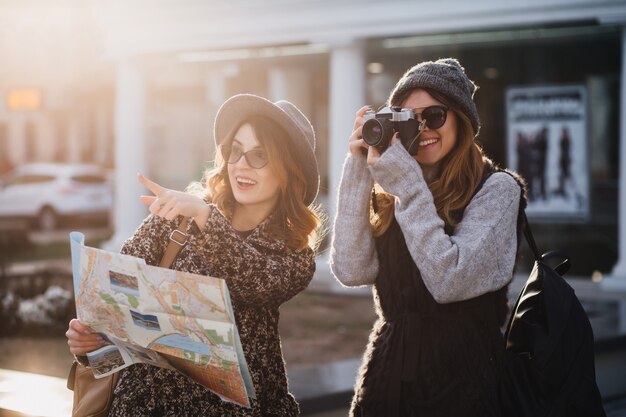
(254, 225)
(432, 224)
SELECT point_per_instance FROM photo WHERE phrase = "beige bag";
(93, 397)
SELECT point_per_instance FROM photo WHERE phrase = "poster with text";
(547, 145)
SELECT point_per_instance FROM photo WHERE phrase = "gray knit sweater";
(477, 258)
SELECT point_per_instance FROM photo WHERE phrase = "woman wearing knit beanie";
(438, 240)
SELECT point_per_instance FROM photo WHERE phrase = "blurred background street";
(95, 92)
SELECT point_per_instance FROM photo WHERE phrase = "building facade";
(552, 97)
(57, 94)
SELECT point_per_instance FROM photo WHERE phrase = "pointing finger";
(150, 185)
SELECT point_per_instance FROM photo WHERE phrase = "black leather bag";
(549, 368)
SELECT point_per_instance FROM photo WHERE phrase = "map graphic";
(172, 319)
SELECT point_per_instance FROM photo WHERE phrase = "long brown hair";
(294, 222)
(453, 187)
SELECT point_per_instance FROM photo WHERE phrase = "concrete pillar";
(130, 155)
(217, 83)
(217, 91)
(619, 270)
(346, 96)
(291, 84)
(617, 281)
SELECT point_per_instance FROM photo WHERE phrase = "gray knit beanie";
(445, 76)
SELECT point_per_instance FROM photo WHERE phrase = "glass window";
(496, 67)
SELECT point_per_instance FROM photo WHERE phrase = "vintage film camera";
(380, 126)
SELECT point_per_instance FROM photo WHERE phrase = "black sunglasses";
(256, 158)
(433, 116)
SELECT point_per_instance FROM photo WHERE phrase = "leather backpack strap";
(530, 239)
(178, 239)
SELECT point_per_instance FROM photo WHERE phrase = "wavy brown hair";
(460, 172)
(294, 222)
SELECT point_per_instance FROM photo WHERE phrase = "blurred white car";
(47, 194)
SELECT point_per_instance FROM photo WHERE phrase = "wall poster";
(547, 145)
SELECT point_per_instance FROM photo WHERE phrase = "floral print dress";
(261, 273)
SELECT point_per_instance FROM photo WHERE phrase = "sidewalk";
(55, 400)
(53, 397)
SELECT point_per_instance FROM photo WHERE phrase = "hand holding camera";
(380, 126)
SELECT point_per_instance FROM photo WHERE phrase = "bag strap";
(71, 378)
(528, 234)
(561, 268)
(177, 239)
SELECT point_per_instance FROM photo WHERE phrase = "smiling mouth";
(428, 142)
(245, 181)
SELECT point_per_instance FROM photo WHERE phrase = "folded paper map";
(161, 317)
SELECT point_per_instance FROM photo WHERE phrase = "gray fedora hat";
(238, 108)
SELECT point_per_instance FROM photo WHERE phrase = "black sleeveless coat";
(425, 358)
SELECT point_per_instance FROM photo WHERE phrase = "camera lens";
(377, 132)
(373, 134)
